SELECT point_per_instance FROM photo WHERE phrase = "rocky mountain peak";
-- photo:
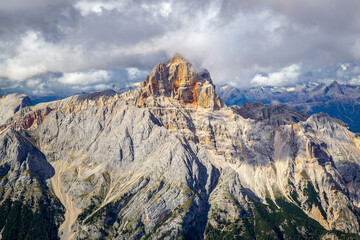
(177, 58)
(334, 89)
(178, 79)
(11, 104)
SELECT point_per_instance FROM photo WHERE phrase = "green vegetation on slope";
(286, 221)
(19, 221)
(313, 198)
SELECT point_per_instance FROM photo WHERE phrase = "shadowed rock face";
(178, 79)
(275, 114)
(161, 162)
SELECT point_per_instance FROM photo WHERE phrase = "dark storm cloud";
(40, 15)
(91, 45)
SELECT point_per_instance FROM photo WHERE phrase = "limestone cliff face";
(161, 162)
(178, 80)
(11, 104)
(27, 204)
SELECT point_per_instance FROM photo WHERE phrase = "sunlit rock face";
(169, 160)
(12, 103)
(178, 80)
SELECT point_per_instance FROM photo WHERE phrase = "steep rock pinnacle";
(178, 79)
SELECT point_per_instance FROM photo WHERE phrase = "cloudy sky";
(64, 47)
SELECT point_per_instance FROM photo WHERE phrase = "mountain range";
(340, 101)
(169, 160)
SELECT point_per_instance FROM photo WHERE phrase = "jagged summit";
(178, 79)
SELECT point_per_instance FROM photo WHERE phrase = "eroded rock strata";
(169, 160)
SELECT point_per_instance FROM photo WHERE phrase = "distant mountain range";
(338, 100)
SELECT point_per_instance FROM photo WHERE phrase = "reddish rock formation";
(179, 80)
(31, 120)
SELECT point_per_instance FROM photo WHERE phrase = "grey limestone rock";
(127, 170)
(12, 103)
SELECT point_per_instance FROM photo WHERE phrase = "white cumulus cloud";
(35, 56)
(97, 7)
(85, 78)
(287, 75)
(355, 80)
